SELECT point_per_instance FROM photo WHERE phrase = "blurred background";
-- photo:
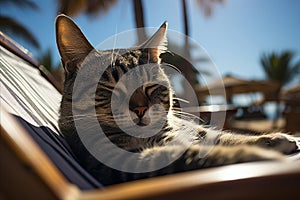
(254, 44)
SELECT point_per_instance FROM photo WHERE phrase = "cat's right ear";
(72, 44)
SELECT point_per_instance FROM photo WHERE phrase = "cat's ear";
(157, 44)
(72, 44)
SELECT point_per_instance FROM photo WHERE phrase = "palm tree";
(139, 20)
(12, 27)
(280, 67)
(186, 67)
(188, 70)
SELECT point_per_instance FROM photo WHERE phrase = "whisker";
(180, 99)
(172, 66)
(187, 115)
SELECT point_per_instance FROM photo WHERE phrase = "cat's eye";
(157, 93)
(149, 89)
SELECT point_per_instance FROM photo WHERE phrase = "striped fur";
(181, 141)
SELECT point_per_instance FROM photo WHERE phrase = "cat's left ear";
(72, 44)
(157, 44)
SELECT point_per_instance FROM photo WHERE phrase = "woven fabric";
(35, 103)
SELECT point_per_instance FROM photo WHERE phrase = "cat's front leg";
(181, 158)
(276, 141)
(204, 156)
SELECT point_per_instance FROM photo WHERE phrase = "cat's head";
(132, 88)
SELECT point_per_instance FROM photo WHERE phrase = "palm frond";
(70, 8)
(279, 67)
(12, 27)
(20, 3)
(95, 7)
(89, 7)
(46, 59)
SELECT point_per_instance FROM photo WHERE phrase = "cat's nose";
(140, 111)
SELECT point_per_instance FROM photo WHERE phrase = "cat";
(143, 98)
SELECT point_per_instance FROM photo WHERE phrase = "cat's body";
(128, 97)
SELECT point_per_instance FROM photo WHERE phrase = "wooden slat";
(13, 47)
(30, 155)
(265, 180)
(18, 180)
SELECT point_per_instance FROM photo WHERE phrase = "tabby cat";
(141, 99)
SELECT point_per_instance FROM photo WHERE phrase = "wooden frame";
(27, 173)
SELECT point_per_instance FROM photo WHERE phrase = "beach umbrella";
(229, 86)
(292, 93)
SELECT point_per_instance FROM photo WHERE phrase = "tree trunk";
(187, 68)
(185, 20)
(278, 111)
(139, 20)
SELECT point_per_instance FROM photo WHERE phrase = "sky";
(235, 36)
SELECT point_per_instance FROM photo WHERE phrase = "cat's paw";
(278, 141)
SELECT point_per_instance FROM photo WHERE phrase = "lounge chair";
(36, 162)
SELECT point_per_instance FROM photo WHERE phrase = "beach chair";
(37, 163)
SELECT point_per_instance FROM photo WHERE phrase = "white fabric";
(25, 93)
